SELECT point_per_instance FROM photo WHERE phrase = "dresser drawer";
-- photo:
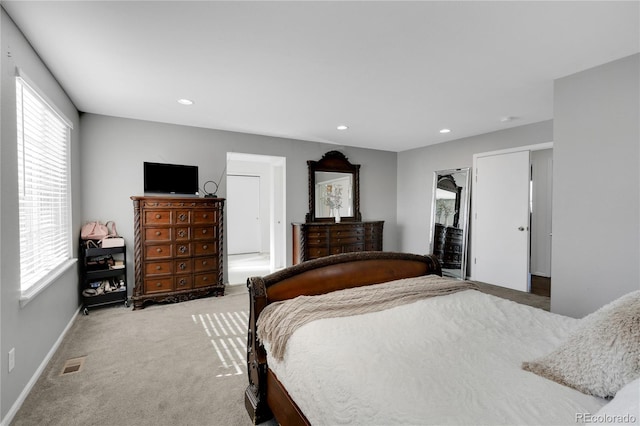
(183, 266)
(157, 251)
(346, 232)
(372, 246)
(182, 233)
(209, 216)
(157, 217)
(346, 239)
(182, 250)
(203, 264)
(204, 232)
(157, 234)
(314, 252)
(182, 217)
(317, 242)
(316, 231)
(184, 282)
(158, 268)
(206, 279)
(204, 248)
(347, 248)
(158, 285)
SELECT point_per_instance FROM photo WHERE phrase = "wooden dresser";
(317, 239)
(447, 246)
(178, 248)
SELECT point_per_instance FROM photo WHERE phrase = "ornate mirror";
(450, 219)
(334, 189)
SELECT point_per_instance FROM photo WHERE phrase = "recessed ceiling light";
(445, 130)
(508, 118)
(185, 101)
(342, 127)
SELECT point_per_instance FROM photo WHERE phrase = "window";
(44, 199)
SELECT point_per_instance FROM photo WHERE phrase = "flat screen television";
(160, 178)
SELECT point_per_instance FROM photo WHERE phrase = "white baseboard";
(25, 392)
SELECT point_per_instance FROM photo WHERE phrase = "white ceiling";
(394, 72)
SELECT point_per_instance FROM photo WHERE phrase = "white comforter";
(447, 360)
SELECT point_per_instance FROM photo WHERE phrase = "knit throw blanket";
(279, 320)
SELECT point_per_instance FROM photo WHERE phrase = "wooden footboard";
(309, 278)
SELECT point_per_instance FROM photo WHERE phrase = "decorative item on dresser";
(178, 248)
(318, 239)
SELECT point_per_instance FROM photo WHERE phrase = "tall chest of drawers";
(312, 240)
(178, 249)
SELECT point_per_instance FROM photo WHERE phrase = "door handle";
(521, 228)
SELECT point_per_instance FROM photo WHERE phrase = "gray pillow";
(602, 354)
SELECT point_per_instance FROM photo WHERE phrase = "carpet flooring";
(167, 364)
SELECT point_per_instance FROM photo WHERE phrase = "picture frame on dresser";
(178, 250)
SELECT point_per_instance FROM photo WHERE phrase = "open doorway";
(256, 211)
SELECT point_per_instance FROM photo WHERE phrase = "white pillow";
(623, 409)
(602, 354)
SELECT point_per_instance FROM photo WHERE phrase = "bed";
(422, 349)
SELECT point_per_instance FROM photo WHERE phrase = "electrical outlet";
(12, 359)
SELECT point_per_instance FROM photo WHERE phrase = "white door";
(501, 220)
(243, 214)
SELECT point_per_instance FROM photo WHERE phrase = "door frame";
(535, 147)
(275, 180)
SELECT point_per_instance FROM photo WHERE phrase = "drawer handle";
(158, 215)
(205, 278)
(158, 233)
(158, 285)
(204, 263)
(182, 217)
(158, 268)
(159, 250)
(183, 266)
(204, 231)
(204, 247)
(182, 282)
(182, 249)
(182, 233)
(204, 216)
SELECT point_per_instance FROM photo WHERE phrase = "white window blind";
(44, 188)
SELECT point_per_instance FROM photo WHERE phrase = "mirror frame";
(334, 161)
(461, 216)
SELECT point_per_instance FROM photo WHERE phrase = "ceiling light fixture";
(508, 118)
(445, 130)
(342, 127)
(185, 101)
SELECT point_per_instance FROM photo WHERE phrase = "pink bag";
(97, 231)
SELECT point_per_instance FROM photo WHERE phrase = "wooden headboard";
(315, 277)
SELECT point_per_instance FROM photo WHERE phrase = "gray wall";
(415, 175)
(596, 158)
(33, 329)
(113, 150)
(596, 187)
